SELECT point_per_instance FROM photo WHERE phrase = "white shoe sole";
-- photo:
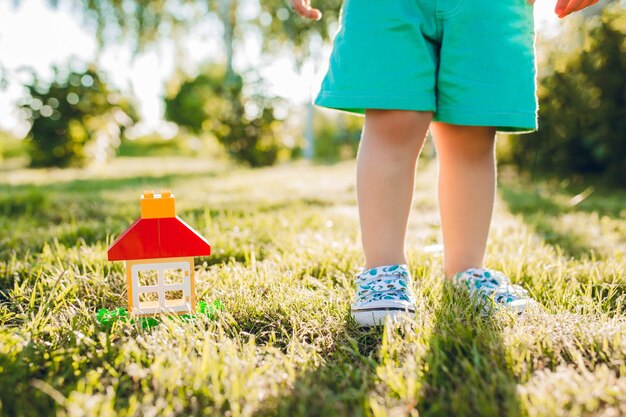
(377, 316)
(521, 306)
(518, 307)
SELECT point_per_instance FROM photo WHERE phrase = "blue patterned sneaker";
(383, 292)
(494, 286)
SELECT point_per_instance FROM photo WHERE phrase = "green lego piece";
(106, 317)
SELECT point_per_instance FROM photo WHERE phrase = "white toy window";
(161, 287)
(148, 277)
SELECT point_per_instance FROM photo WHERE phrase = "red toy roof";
(167, 237)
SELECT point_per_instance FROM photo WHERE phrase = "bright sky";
(36, 36)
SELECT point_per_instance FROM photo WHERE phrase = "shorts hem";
(357, 103)
(505, 121)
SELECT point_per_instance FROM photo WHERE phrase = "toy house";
(159, 250)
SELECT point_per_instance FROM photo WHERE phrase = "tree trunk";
(228, 16)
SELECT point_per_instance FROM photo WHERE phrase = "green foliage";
(582, 113)
(11, 147)
(155, 145)
(143, 23)
(138, 22)
(75, 119)
(4, 82)
(337, 136)
(246, 125)
(281, 25)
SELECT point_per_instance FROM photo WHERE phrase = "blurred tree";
(74, 119)
(144, 22)
(336, 136)
(10, 146)
(138, 22)
(282, 26)
(279, 27)
(4, 82)
(213, 102)
(582, 110)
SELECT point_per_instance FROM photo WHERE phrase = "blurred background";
(83, 82)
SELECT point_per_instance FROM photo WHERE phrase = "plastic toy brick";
(106, 318)
(157, 208)
(159, 245)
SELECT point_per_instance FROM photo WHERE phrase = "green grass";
(286, 248)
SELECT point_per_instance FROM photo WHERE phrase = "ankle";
(382, 262)
(455, 269)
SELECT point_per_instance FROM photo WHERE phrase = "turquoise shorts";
(470, 62)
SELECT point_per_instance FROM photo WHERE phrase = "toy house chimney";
(157, 206)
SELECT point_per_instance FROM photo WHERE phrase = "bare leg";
(390, 145)
(467, 174)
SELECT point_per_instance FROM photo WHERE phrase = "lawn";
(286, 247)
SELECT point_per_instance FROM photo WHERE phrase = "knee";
(465, 143)
(478, 148)
(396, 127)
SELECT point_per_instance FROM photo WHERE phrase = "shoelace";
(381, 273)
(390, 282)
(492, 283)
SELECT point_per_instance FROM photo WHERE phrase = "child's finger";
(568, 7)
(577, 5)
(565, 7)
(303, 9)
(560, 7)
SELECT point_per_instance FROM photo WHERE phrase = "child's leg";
(467, 173)
(390, 145)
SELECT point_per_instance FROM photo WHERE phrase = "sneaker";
(383, 292)
(494, 286)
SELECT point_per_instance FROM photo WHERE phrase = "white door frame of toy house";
(162, 305)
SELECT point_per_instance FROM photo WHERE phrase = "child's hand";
(565, 7)
(303, 8)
